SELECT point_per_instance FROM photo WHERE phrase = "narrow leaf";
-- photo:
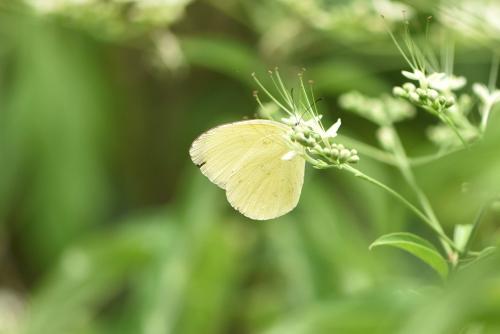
(461, 235)
(478, 257)
(416, 246)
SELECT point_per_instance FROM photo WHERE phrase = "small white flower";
(444, 82)
(386, 137)
(415, 75)
(315, 125)
(437, 80)
(423, 80)
(332, 131)
(484, 94)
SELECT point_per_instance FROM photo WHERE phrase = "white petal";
(481, 91)
(458, 82)
(436, 76)
(495, 97)
(289, 155)
(410, 75)
(332, 131)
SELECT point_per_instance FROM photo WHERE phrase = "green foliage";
(106, 226)
(416, 246)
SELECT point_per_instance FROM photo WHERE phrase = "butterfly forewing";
(219, 151)
(245, 159)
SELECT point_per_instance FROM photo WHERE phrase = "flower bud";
(421, 92)
(409, 87)
(334, 153)
(398, 91)
(302, 140)
(432, 94)
(311, 142)
(449, 101)
(344, 155)
(353, 159)
(414, 97)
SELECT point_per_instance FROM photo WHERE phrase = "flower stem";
(367, 150)
(485, 112)
(403, 200)
(422, 160)
(405, 168)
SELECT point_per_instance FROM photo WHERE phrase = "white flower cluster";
(426, 98)
(488, 99)
(435, 93)
(306, 136)
(106, 17)
(309, 138)
(381, 111)
(438, 80)
(360, 14)
(486, 96)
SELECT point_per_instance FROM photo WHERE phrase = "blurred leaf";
(471, 297)
(224, 55)
(461, 235)
(339, 76)
(52, 138)
(189, 289)
(92, 272)
(416, 246)
(333, 238)
(377, 312)
(488, 251)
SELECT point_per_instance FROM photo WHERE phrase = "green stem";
(486, 109)
(406, 171)
(367, 150)
(475, 226)
(452, 126)
(403, 200)
(422, 160)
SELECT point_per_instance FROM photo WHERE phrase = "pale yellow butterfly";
(245, 159)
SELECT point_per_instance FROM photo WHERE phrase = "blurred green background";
(107, 227)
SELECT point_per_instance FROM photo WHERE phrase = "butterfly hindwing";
(266, 186)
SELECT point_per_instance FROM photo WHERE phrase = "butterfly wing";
(245, 159)
(265, 186)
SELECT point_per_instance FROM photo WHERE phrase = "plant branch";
(406, 171)
(367, 150)
(403, 200)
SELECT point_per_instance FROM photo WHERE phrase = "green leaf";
(478, 257)
(461, 235)
(227, 56)
(416, 246)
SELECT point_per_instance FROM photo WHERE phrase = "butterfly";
(251, 161)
